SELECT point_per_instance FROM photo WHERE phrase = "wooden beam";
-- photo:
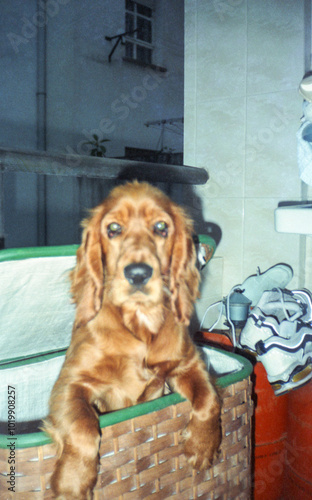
(49, 163)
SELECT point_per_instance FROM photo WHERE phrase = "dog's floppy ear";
(88, 275)
(184, 276)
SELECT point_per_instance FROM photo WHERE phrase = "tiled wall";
(244, 60)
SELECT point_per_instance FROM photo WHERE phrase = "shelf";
(105, 168)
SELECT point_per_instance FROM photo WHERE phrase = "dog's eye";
(113, 229)
(161, 228)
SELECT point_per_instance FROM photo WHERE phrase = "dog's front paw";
(202, 440)
(74, 477)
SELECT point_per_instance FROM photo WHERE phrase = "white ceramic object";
(294, 219)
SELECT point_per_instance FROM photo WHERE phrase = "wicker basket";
(141, 453)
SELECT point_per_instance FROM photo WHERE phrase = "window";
(139, 29)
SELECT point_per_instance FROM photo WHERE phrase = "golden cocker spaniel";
(134, 286)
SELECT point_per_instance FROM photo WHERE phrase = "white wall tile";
(189, 137)
(271, 148)
(275, 45)
(227, 213)
(263, 245)
(220, 134)
(308, 264)
(190, 53)
(210, 291)
(221, 49)
(244, 105)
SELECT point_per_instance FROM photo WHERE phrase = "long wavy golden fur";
(134, 285)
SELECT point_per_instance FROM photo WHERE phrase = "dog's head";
(137, 249)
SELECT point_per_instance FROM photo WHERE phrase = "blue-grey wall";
(85, 94)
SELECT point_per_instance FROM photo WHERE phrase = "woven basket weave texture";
(142, 458)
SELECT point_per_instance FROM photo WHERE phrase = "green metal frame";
(40, 438)
(35, 252)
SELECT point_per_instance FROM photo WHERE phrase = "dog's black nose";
(138, 273)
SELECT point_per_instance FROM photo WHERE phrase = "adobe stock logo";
(226, 7)
(120, 109)
(246, 154)
(29, 26)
